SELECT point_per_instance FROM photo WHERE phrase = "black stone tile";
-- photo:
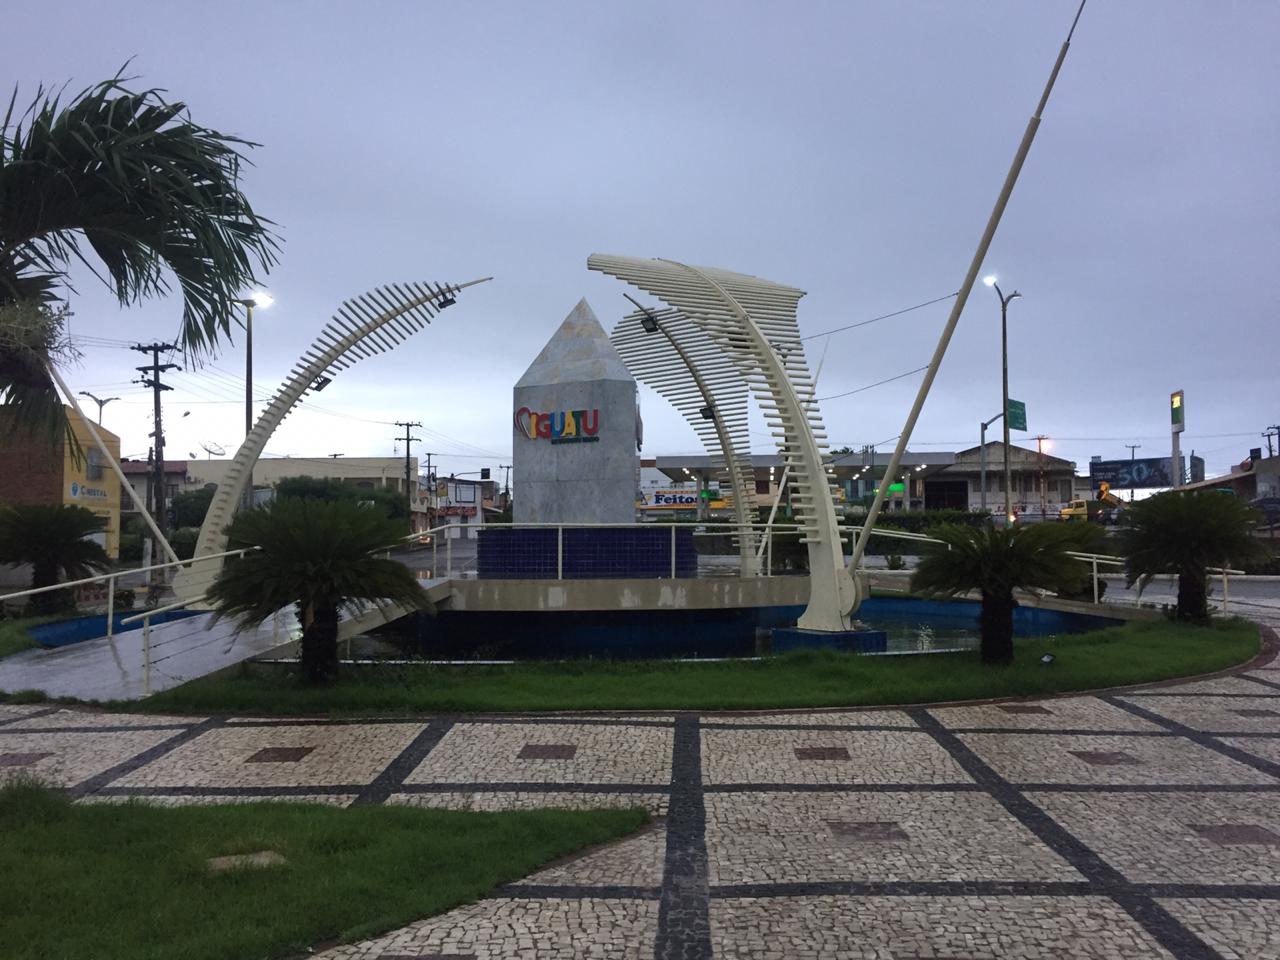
(548, 751)
(279, 754)
(1023, 708)
(872, 831)
(821, 753)
(1106, 758)
(21, 759)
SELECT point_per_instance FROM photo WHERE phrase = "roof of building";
(142, 467)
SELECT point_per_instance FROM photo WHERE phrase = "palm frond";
(998, 560)
(32, 337)
(312, 553)
(1183, 532)
(52, 538)
(149, 191)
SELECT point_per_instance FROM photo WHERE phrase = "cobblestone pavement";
(1140, 823)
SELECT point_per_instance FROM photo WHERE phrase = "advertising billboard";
(1144, 474)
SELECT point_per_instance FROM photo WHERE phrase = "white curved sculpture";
(369, 324)
(754, 322)
(670, 353)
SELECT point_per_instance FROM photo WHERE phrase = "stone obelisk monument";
(574, 458)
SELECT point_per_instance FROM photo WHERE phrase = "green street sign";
(1017, 415)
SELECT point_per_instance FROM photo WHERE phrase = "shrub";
(183, 540)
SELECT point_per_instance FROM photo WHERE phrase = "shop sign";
(80, 492)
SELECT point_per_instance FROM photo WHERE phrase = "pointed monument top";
(579, 351)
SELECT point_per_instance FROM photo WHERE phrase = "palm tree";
(53, 539)
(996, 561)
(320, 555)
(150, 193)
(1185, 532)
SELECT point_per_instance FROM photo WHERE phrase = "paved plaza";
(1138, 823)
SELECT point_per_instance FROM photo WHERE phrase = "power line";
(896, 313)
(878, 383)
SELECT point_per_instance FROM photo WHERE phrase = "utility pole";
(155, 369)
(506, 484)
(1132, 479)
(1040, 462)
(334, 456)
(1271, 430)
(408, 439)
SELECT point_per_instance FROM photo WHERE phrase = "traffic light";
(484, 473)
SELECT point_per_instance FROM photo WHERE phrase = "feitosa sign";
(562, 426)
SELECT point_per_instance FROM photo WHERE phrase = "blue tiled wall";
(599, 553)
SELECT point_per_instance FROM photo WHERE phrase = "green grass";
(14, 637)
(1133, 653)
(129, 882)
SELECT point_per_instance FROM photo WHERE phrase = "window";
(464, 493)
(93, 464)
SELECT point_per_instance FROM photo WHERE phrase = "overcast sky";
(852, 149)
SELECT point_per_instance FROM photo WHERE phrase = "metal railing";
(701, 529)
(450, 531)
(143, 616)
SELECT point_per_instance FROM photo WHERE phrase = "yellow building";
(34, 471)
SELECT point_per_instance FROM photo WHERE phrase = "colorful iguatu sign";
(563, 426)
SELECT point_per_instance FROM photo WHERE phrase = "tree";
(189, 508)
(53, 539)
(322, 556)
(151, 193)
(389, 501)
(995, 561)
(1184, 533)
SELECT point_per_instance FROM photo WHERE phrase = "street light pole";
(1004, 373)
(982, 457)
(264, 300)
(103, 403)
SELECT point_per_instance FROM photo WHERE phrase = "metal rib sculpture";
(364, 326)
(754, 322)
(671, 353)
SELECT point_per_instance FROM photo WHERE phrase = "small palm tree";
(152, 194)
(54, 540)
(998, 560)
(322, 556)
(1184, 533)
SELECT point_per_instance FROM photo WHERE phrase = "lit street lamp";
(990, 281)
(100, 403)
(262, 299)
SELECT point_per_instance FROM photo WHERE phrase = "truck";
(1104, 509)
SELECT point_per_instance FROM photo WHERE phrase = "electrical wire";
(896, 313)
(878, 383)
